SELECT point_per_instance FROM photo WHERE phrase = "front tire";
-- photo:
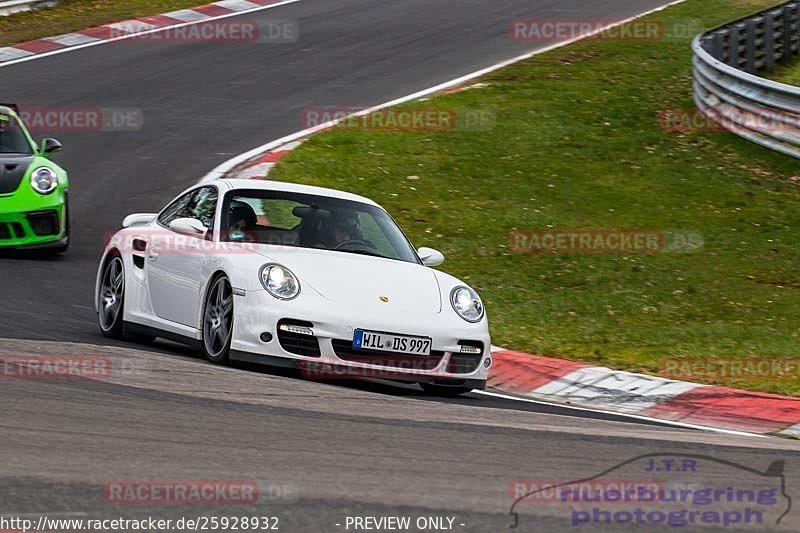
(218, 321)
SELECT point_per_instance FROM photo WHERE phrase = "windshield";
(12, 139)
(310, 221)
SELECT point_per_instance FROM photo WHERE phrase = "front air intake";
(297, 337)
(43, 223)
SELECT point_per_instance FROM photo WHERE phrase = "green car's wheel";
(110, 298)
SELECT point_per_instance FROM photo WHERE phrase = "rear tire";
(444, 390)
(218, 321)
(112, 304)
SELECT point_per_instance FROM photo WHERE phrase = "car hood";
(12, 169)
(361, 280)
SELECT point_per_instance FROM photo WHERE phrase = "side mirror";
(430, 257)
(50, 146)
(138, 219)
(188, 226)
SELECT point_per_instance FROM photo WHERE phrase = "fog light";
(470, 349)
(301, 330)
(487, 362)
(266, 337)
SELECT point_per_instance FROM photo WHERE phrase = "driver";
(342, 233)
(345, 229)
(242, 219)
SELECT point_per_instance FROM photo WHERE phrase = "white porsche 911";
(292, 275)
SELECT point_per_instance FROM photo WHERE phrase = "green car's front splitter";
(42, 224)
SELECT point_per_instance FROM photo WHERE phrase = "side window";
(199, 204)
(204, 205)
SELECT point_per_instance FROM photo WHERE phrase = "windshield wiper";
(366, 252)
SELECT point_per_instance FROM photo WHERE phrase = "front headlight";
(467, 304)
(279, 281)
(44, 180)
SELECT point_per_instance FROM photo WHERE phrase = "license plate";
(387, 342)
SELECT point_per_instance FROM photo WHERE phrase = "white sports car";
(292, 275)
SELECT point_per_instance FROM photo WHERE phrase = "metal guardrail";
(727, 89)
(7, 7)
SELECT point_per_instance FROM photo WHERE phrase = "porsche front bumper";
(460, 351)
(33, 229)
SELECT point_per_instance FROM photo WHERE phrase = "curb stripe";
(159, 21)
(272, 157)
(186, 15)
(39, 47)
(517, 371)
(8, 53)
(213, 10)
(648, 396)
(731, 409)
(129, 28)
(72, 39)
(236, 5)
(613, 389)
(101, 33)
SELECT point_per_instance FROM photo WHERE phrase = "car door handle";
(152, 255)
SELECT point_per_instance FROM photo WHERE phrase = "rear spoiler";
(13, 107)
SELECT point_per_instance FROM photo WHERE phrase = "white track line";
(232, 163)
(137, 34)
(626, 415)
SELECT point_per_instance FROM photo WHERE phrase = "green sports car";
(33, 189)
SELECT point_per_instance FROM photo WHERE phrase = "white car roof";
(234, 184)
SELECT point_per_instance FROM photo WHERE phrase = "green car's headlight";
(44, 180)
(279, 281)
(467, 304)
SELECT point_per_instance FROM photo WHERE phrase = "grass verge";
(578, 143)
(74, 15)
(789, 73)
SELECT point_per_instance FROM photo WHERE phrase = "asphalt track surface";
(344, 449)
